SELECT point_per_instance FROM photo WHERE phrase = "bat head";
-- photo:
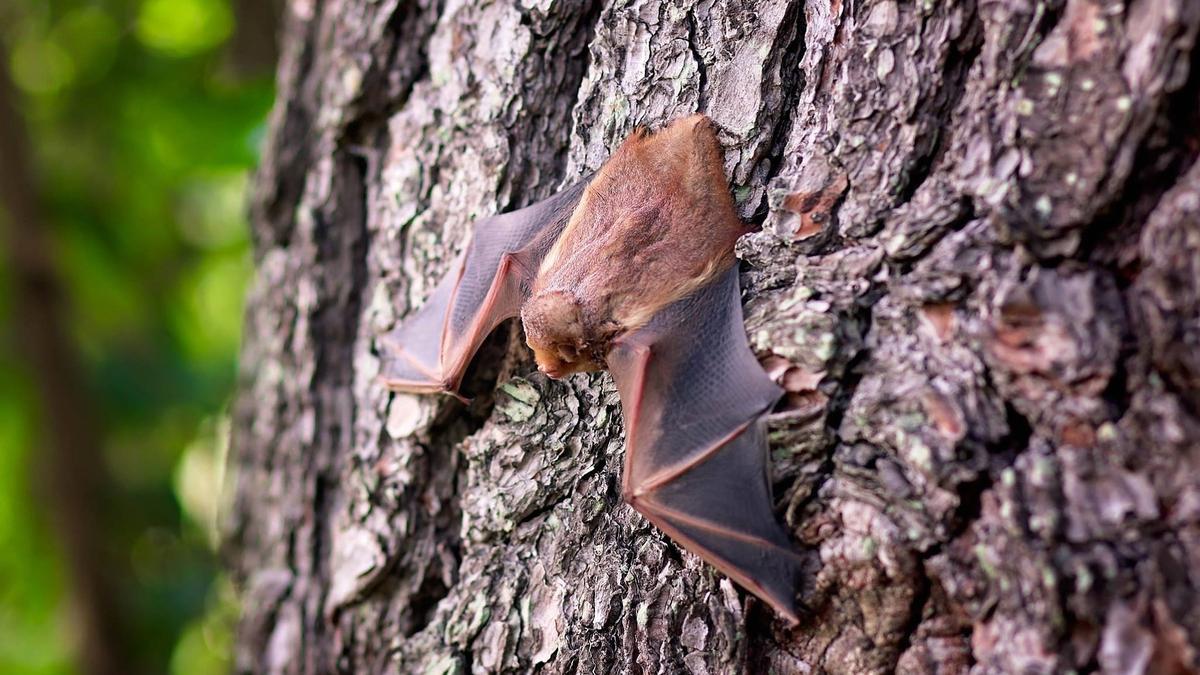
(556, 332)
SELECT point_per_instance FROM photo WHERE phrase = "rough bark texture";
(978, 276)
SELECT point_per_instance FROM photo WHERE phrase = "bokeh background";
(129, 130)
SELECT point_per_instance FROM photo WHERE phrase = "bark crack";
(698, 59)
(939, 110)
(791, 48)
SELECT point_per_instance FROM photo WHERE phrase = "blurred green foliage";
(143, 137)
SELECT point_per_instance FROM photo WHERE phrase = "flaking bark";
(976, 276)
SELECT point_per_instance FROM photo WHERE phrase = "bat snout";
(559, 360)
(556, 373)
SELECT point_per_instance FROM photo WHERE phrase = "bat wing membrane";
(695, 465)
(430, 350)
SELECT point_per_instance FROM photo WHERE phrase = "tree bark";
(977, 276)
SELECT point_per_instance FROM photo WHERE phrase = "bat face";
(633, 271)
(561, 341)
(654, 224)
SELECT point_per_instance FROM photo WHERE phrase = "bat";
(632, 270)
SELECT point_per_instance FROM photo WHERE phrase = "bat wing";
(430, 350)
(694, 396)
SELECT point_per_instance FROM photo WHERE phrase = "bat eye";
(568, 353)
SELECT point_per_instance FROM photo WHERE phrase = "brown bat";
(633, 271)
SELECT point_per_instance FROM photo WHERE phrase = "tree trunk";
(977, 275)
